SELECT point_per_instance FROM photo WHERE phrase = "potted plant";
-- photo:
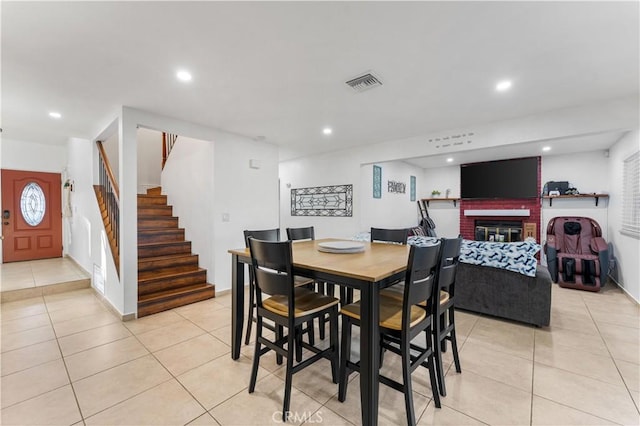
(435, 193)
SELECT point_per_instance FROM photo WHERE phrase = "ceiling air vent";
(364, 82)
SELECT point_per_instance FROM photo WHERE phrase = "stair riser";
(162, 250)
(158, 210)
(155, 307)
(170, 283)
(158, 222)
(143, 275)
(150, 265)
(160, 236)
(151, 200)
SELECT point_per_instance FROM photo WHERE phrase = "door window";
(32, 204)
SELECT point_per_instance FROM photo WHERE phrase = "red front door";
(31, 215)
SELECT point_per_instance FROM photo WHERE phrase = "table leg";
(237, 305)
(369, 353)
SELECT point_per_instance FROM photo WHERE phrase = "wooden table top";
(378, 261)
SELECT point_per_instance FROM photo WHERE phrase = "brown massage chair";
(577, 255)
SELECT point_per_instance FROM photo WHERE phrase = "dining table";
(378, 266)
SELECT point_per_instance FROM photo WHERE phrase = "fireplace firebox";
(498, 230)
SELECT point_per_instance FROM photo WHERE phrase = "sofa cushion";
(516, 257)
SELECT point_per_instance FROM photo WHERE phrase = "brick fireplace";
(523, 211)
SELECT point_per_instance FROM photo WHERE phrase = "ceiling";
(276, 71)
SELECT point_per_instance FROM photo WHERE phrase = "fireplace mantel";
(498, 212)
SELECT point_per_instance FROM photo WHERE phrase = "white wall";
(149, 159)
(20, 155)
(187, 180)
(341, 168)
(392, 210)
(89, 246)
(445, 215)
(626, 248)
(586, 171)
(112, 150)
(248, 196)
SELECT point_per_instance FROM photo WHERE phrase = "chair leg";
(443, 324)
(279, 334)
(437, 353)
(322, 319)
(454, 341)
(433, 381)
(406, 380)
(333, 337)
(256, 357)
(345, 351)
(289, 377)
(311, 333)
(250, 313)
(298, 342)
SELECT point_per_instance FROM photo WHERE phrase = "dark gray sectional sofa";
(504, 294)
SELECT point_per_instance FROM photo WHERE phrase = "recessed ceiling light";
(54, 114)
(503, 85)
(449, 160)
(184, 75)
(546, 148)
(327, 130)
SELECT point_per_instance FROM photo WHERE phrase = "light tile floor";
(67, 360)
(39, 273)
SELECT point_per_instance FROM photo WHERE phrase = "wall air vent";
(364, 82)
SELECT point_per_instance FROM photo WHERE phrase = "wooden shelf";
(427, 200)
(565, 197)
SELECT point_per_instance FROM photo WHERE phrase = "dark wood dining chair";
(288, 307)
(444, 327)
(390, 235)
(401, 321)
(266, 235)
(308, 233)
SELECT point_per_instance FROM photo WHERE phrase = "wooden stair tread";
(167, 243)
(149, 298)
(165, 257)
(175, 275)
(160, 230)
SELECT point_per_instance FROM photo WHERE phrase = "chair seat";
(307, 302)
(302, 281)
(396, 292)
(390, 313)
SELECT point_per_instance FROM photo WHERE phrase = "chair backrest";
(262, 234)
(390, 235)
(273, 269)
(421, 274)
(448, 264)
(307, 233)
(573, 234)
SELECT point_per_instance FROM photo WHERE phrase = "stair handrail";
(168, 140)
(111, 198)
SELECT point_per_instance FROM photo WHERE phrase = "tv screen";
(516, 178)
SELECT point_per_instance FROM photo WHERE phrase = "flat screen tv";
(517, 178)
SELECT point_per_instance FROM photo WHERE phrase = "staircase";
(168, 272)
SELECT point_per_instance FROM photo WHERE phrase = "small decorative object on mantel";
(334, 200)
(396, 187)
(435, 193)
(446, 193)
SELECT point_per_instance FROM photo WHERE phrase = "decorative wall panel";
(412, 183)
(377, 182)
(334, 200)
